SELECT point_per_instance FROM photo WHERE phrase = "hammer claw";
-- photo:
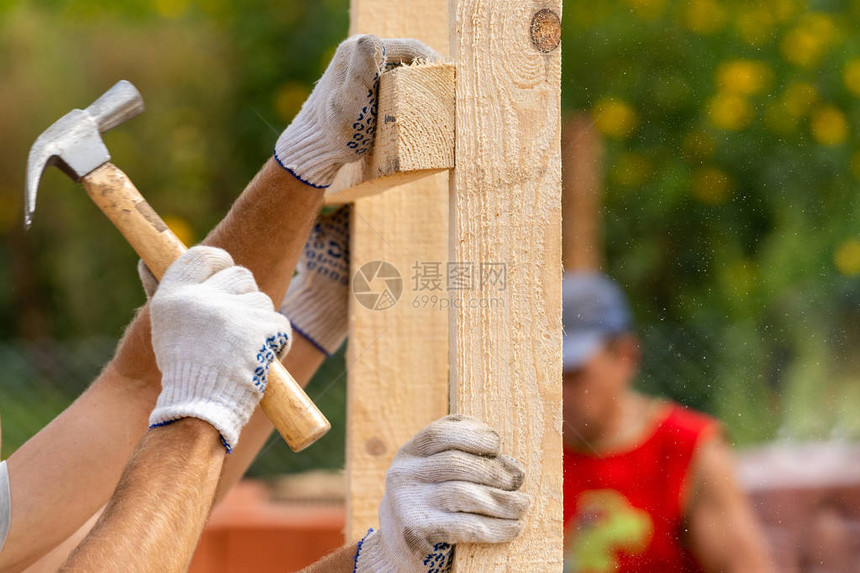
(74, 142)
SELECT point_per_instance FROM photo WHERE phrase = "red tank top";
(623, 512)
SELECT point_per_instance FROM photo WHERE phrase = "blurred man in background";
(649, 485)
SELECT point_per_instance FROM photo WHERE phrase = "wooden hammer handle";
(295, 415)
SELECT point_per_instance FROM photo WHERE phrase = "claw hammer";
(74, 144)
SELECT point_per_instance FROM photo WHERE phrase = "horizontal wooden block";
(414, 133)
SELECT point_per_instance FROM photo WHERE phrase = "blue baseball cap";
(595, 309)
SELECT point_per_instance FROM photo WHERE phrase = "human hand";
(214, 335)
(447, 485)
(337, 122)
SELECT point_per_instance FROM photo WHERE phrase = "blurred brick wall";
(808, 499)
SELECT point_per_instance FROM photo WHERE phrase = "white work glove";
(337, 122)
(447, 485)
(214, 336)
(316, 302)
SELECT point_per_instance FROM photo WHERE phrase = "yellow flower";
(821, 25)
(181, 229)
(289, 99)
(704, 16)
(783, 115)
(807, 43)
(802, 48)
(847, 257)
(712, 185)
(852, 76)
(614, 118)
(744, 77)
(730, 112)
(829, 126)
(631, 169)
(756, 25)
(783, 10)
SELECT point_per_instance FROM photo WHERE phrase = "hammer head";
(74, 142)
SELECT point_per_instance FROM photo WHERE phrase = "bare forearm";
(724, 534)
(155, 517)
(339, 561)
(65, 473)
(267, 227)
(744, 551)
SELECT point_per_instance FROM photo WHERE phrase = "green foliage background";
(731, 201)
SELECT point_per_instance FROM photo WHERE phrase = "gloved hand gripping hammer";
(75, 145)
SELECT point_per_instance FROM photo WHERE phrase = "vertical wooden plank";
(582, 181)
(397, 359)
(506, 210)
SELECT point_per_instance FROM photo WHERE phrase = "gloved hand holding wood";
(214, 335)
(337, 122)
(447, 485)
